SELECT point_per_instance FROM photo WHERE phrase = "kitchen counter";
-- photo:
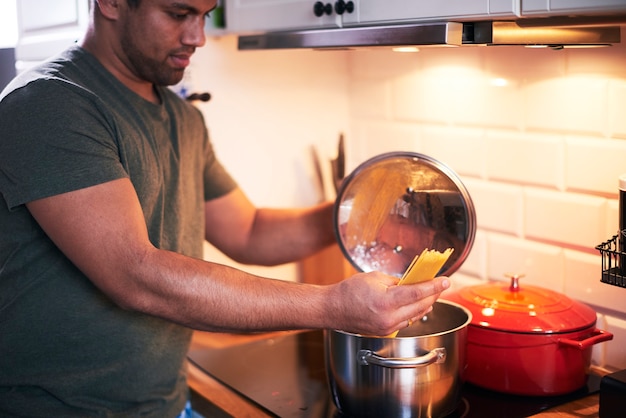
(214, 391)
(226, 400)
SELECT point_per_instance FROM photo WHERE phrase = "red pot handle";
(597, 336)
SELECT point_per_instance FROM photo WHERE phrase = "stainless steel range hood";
(437, 34)
(444, 33)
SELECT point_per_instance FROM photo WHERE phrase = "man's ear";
(110, 9)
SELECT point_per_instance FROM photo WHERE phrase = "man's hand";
(374, 303)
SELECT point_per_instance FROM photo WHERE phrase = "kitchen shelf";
(613, 262)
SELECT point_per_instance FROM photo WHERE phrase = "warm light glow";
(406, 49)
(488, 311)
(499, 82)
(558, 47)
(587, 46)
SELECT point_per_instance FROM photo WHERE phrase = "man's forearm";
(301, 233)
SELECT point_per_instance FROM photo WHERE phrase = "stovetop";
(286, 377)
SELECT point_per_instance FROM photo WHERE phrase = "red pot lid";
(523, 309)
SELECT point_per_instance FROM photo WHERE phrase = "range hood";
(531, 33)
(444, 33)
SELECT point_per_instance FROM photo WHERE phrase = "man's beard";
(148, 69)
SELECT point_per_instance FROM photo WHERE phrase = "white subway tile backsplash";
(379, 137)
(603, 62)
(415, 98)
(612, 219)
(541, 264)
(370, 99)
(441, 58)
(595, 164)
(518, 64)
(375, 63)
(583, 272)
(463, 150)
(526, 158)
(496, 104)
(448, 94)
(566, 218)
(457, 96)
(499, 206)
(459, 280)
(567, 104)
(598, 353)
(616, 349)
(617, 106)
(475, 264)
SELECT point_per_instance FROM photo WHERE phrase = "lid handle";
(514, 281)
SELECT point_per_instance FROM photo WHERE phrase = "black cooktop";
(286, 377)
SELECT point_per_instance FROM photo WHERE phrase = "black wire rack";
(613, 262)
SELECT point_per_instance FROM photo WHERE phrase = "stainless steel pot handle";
(367, 357)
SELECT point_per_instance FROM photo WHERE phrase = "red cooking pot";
(527, 340)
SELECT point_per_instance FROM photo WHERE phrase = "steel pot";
(419, 373)
(527, 340)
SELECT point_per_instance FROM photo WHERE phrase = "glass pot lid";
(395, 205)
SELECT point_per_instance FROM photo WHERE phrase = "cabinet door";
(564, 7)
(397, 11)
(266, 15)
(48, 27)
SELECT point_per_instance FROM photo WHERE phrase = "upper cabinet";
(275, 15)
(376, 11)
(48, 27)
(531, 8)
(267, 15)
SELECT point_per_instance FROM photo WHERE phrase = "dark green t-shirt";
(65, 348)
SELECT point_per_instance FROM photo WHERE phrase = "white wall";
(266, 112)
(538, 137)
(8, 24)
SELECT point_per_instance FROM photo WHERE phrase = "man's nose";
(194, 34)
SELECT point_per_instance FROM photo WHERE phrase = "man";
(109, 185)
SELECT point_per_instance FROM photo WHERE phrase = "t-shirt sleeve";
(217, 180)
(55, 138)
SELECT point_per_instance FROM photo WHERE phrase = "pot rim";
(465, 324)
